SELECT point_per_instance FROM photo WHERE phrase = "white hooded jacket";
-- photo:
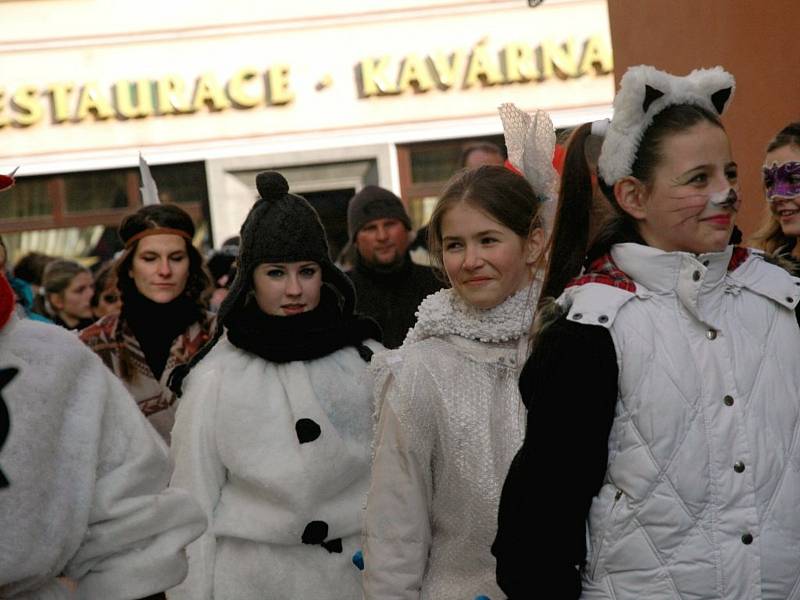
(701, 492)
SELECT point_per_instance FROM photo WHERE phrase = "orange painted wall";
(759, 42)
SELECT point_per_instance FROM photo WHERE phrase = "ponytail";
(571, 228)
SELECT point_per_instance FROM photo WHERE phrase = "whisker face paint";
(782, 181)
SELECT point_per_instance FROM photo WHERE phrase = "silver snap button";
(711, 334)
(696, 275)
(603, 318)
(747, 539)
(577, 316)
(738, 467)
(728, 400)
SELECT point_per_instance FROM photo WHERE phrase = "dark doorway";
(332, 208)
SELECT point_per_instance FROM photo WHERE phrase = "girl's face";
(160, 267)
(110, 301)
(693, 199)
(75, 302)
(486, 262)
(286, 289)
(782, 187)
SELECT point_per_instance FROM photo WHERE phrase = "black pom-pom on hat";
(280, 228)
(271, 185)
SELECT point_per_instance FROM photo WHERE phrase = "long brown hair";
(770, 237)
(198, 286)
(505, 196)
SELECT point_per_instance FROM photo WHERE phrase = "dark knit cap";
(280, 228)
(372, 203)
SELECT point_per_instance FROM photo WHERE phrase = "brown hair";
(770, 236)
(571, 247)
(31, 267)
(505, 196)
(58, 274)
(104, 276)
(198, 286)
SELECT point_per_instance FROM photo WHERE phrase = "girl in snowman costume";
(273, 433)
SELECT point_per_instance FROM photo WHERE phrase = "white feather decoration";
(531, 141)
(148, 189)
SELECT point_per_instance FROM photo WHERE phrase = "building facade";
(334, 95)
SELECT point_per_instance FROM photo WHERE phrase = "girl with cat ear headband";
(663, 391)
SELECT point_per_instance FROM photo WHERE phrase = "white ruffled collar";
(445, 313)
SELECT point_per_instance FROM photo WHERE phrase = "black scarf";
(304, 336)
(156, 325)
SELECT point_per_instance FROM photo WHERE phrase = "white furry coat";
(238, 449)
(87, 476)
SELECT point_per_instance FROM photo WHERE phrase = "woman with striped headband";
(163, 322)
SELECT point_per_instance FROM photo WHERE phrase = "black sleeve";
(569, 385)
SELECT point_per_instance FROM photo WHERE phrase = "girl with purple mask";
(781, 171)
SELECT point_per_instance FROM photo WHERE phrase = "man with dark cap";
(389, 286)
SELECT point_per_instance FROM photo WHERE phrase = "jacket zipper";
(596, 552)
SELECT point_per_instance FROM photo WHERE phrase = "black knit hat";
(280, 228)
(372, 203)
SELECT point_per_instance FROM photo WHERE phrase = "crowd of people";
(589, 393)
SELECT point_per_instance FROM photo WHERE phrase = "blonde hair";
(770, 237)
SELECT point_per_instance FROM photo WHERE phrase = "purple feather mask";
(782, 181)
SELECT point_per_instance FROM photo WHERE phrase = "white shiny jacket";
(450, 423)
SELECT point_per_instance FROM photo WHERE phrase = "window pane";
(96, 190)
(181, 182)
(28, 198)
(420, 210)
(434, 164)
(69, 242)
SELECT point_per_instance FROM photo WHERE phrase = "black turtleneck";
(156, 325)
(391, 295)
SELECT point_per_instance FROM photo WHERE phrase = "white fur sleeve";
(198, 470)
(137, 529)
(397, 531)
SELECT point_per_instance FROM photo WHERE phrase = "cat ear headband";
(644, 92)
